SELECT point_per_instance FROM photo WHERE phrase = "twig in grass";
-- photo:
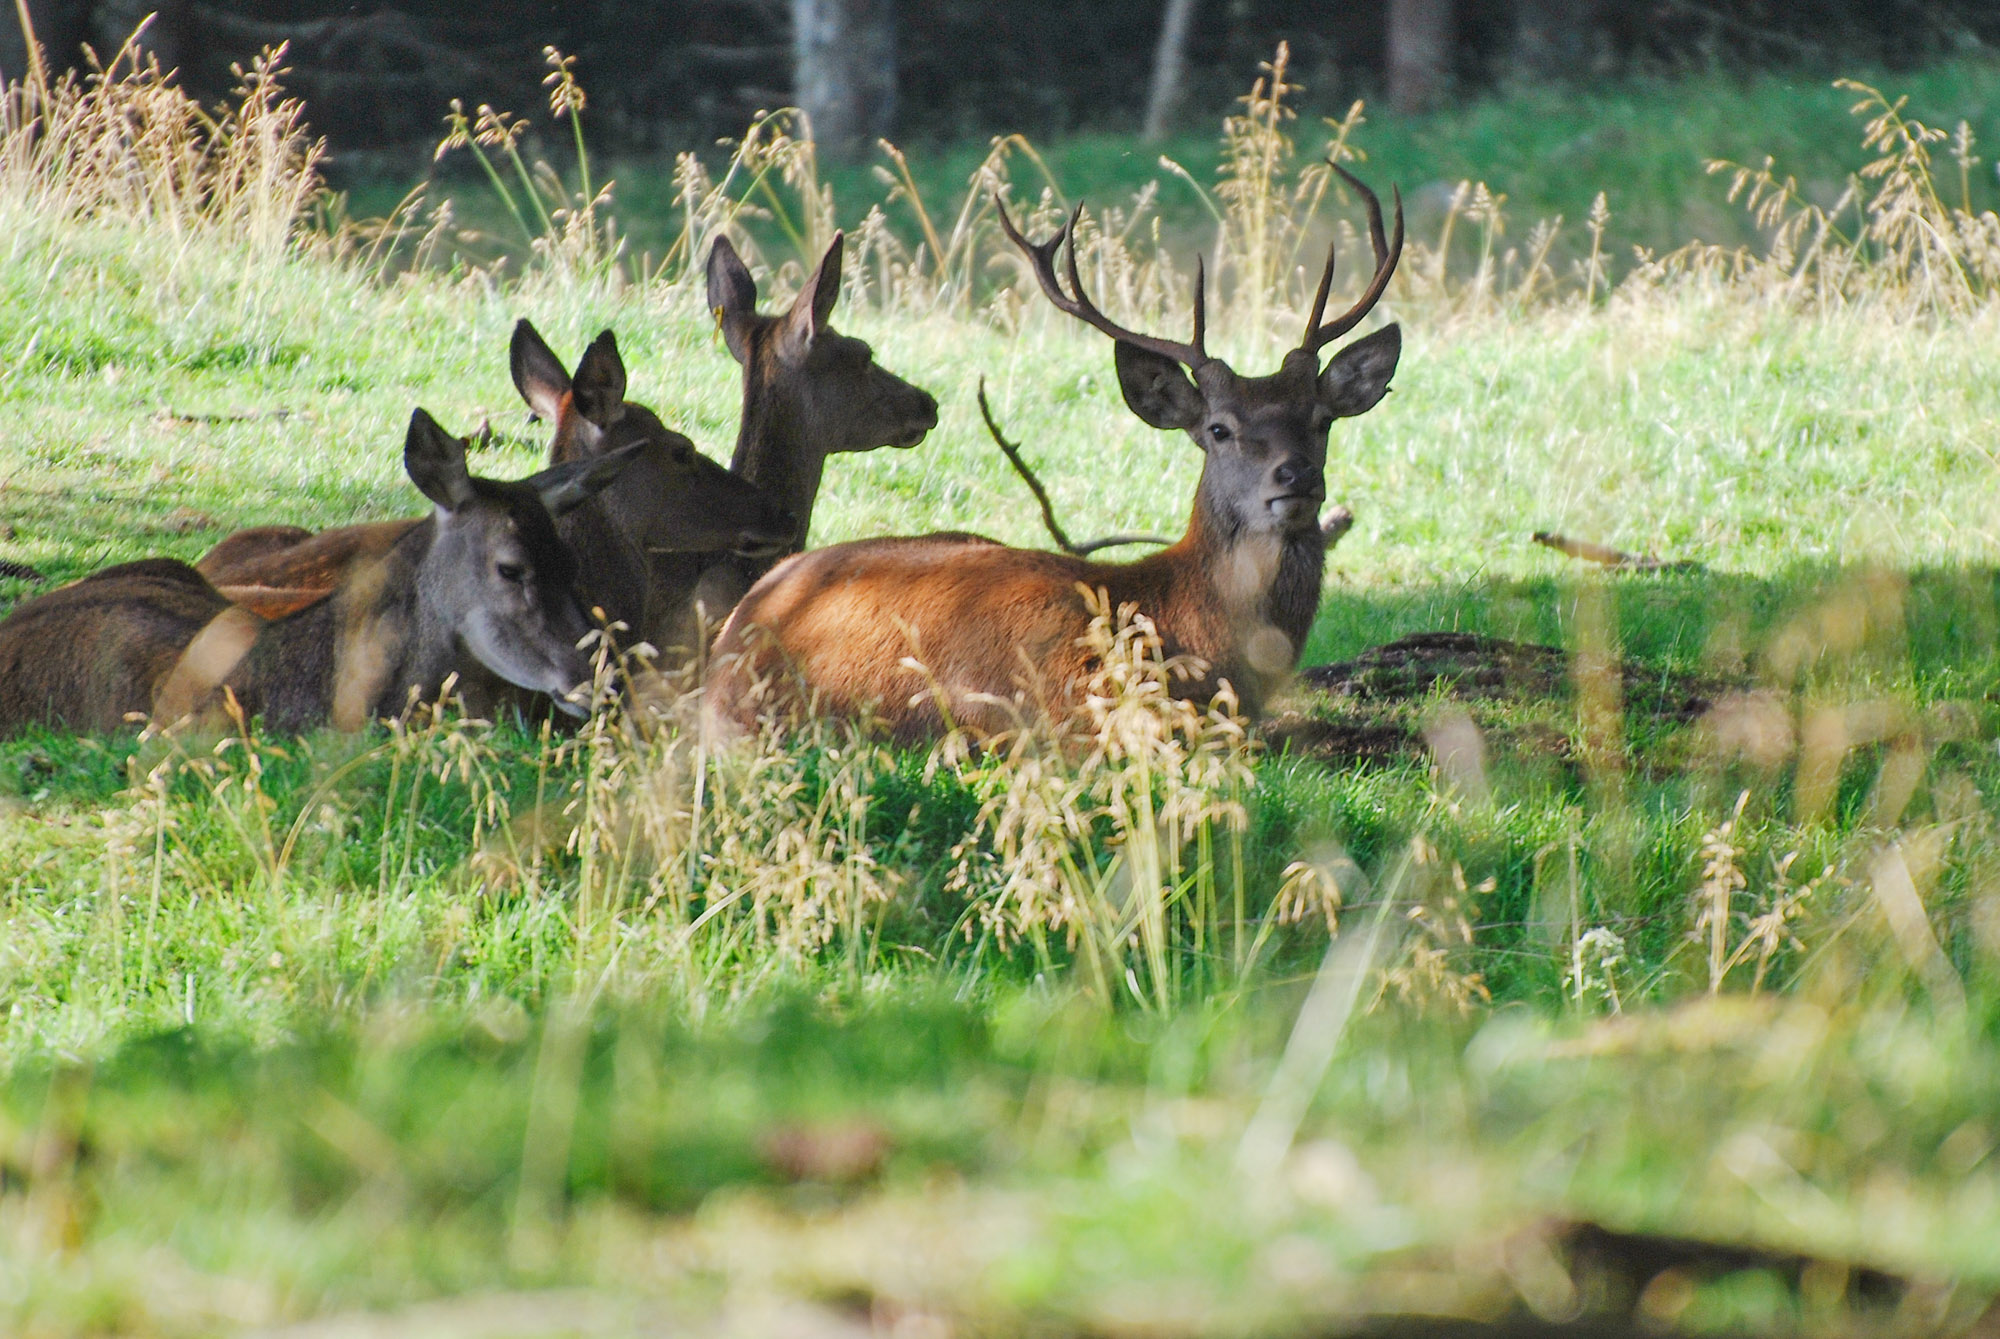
(1607, 556)
(234, 416)
(1055, 529)
(19, 571)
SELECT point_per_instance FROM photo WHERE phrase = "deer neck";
(775, 451)
(614, 572)
(1258, 592)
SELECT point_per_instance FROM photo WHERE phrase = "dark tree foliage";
(667, 73)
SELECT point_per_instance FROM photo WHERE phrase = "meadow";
(1447, 1005)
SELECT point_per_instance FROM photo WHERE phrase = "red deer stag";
(809, 392)
(994, 625)
(482, 585)
(641, 545)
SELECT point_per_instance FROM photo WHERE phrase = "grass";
(1643, 142)
(485, 1020)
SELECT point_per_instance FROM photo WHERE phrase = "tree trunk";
(1169, 68)
(1419, 53)
(1554, 39)
(845, 71)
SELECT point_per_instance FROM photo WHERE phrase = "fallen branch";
(19, 571)
(237, 416)
(1055, 529)
(1606, 556)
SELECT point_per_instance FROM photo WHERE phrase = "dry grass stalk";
(124, 142)
(1431, 975)
(1101, 827)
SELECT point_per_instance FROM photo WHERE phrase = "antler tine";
(1200, 307)
(1077, 302)
(1044, 255)
(1325, 288)
(1374, 209)
(1387, 251)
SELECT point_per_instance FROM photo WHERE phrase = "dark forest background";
(377, 78)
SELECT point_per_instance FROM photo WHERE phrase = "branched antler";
(1077, 301)
(1061, 537)
(1387, 253)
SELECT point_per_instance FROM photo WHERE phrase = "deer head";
(496, 578)
(1263, 438)
(673, 498)
(828, 385)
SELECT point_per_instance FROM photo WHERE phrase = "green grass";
(1643, 142)
(416, 1058)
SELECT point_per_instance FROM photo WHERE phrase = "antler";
(1387, 253)
(1193, 354)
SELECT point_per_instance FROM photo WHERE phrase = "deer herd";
(493, 595)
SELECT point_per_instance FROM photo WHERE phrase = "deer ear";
(538, 373)
(566, 486)
(1358, 377)
(599, 387)
(1156, 388)
(435, 461)
(732, 297)
(813, 307)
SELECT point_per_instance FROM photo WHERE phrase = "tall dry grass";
(1112, 839)
(123, 141)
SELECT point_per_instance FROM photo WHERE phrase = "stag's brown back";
(89, 655)
(997, 630)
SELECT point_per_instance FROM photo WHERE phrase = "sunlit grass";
(476, 1009)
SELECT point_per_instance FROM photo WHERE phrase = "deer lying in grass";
(809, 392)
(482, 585)
(999, 629)
(641, 545)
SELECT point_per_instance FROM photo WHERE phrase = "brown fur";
(483, 587)
(642, 545)
(809, 392)
(987, 622)
(87, 656)
(999, 631)
(307, 561)
(273, 601)
(246, 546)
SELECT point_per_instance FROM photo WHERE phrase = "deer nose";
(1293, 473)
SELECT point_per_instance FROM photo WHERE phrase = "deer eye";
(1220, 432)
(511, 572)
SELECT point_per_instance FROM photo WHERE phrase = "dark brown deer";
(482, 586)
(809, 392)
(641, 545)
(994, 625)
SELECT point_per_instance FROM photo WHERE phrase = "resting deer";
(809, 392)
(641, 545)
(994, 625)
(483, 584)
